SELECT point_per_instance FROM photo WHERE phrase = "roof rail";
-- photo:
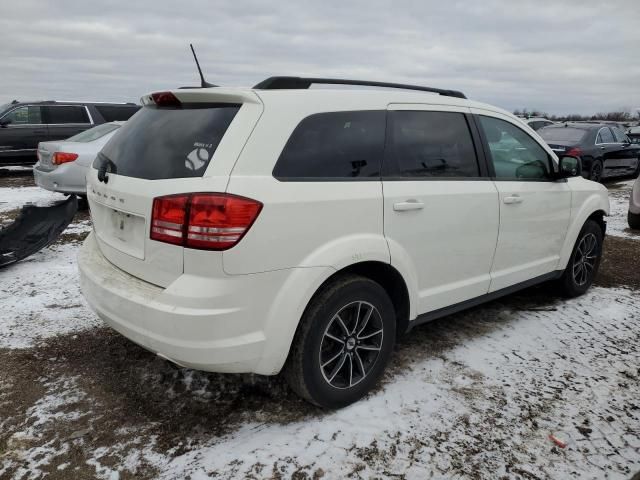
(278, 83)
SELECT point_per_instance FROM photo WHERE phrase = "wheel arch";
(595, 207)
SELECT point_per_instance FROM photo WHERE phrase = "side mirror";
(569, 167)
(4, 123)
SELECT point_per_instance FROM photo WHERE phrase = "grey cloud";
(560, 56)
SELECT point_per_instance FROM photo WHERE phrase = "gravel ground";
(474, 395)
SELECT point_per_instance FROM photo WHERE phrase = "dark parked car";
(634, 135)
(24, 124)
(604, 150)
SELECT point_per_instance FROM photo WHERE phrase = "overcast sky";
(559, 56)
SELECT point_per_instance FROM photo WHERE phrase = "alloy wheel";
(351, 344)
(585, 259)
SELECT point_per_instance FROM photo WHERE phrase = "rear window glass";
(114, 113)
(562, 134)
(160, 143)
(334, 145)
(94, 133)
(430, 144)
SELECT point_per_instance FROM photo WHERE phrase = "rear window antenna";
(203, 82)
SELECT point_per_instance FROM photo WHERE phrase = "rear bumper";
(67, 178)
(212, 324)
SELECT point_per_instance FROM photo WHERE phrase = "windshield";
(4, 108)
(160, 143)
(94, 133)
(562, 134)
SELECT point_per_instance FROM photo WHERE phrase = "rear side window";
(429, 144)
(335, 145)
(160, 143)
(61, 114)
(115, 113)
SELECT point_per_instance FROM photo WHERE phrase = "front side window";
(605, 136)
(429, 144)
(619, 135)
(334, 145)
(27, 115)
(61, 114)
(514, 154)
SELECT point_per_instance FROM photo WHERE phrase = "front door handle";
(511, 199)
(408, 205)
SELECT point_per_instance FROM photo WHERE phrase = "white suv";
(296, 229)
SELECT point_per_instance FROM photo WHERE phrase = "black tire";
(584, 261)
(596, 171)
(83, 203)
(634, 220)
(312, 348)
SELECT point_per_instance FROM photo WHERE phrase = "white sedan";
(63, 164)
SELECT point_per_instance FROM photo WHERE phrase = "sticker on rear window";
(198, 157)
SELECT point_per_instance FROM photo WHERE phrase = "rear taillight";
(208, 221)
(167, 218)
(59, 158)
(573, 152)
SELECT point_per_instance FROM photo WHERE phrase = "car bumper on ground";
(66, 178)
(217, 326)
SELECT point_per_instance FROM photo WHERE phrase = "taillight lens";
(573, 152)
(168, 217)
(59, 158)
(208, 221)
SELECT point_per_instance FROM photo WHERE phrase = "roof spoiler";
(302, 83)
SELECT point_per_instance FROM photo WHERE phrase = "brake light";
(207, 221)
(59, 158)
(167, 218)
(573, 152)
(165, 99)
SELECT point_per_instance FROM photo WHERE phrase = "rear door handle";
(511, 199)
(408, 205)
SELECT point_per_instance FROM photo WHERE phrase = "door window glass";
(605, 136)
(619, 135)
(61, 114)
(27, 115)
(514, 154)
(429, 144)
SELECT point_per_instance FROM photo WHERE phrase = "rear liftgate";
(35, 228)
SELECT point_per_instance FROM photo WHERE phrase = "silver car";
(634, 206)
(63, 164)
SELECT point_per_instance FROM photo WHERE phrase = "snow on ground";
(617, 223)
(40, 298)
(14, 198)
